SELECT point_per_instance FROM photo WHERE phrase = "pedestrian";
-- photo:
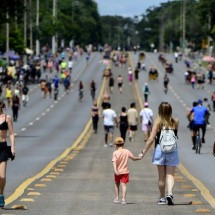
(146, 118)
(193, 80)
(132, 121)
(5, 126)
(105, 100)
(214, 149)
(146, 92)
(66, 84)
(165, 83)
(166, 162)
(93, 89)
(95, 116)
(138, 65)
(9, 95)
(110, 118)
(136, 73)
(81, 91)
(213, 100)
(43, 88)
(111, 83)
(207, 104)
(120, 83)
(121, 171)
(130, 75)
(49, 87)
(15, 107)
(190, 118)
(70, 65)
(176, 56)
(123, 123)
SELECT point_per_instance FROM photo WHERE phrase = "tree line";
(179, 23)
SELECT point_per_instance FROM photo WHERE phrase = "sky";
(126, 8)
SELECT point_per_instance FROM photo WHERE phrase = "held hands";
(140, 155)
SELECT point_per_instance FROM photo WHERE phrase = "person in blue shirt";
(201, 114)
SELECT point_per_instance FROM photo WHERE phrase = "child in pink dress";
(121, 171)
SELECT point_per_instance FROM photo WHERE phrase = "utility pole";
(7, 38)
(184, 25)
(37, 25)
(30, 25)
(25, 23)
(54, 36)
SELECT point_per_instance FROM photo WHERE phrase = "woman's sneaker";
(169, 199)
(162, 201)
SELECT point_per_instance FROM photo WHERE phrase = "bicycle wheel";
(197, 145)
(197, 148)
(200, 145)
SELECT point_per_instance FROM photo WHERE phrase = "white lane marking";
(47, 110)
(38, 118)
(51, 106)
(43, 114)
(31, 123)
(23, 129)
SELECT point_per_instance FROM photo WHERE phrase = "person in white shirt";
(70, 65)
(146, 118)
(110, 118)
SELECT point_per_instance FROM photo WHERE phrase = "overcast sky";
(126, 8)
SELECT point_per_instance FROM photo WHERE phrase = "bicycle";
(198, 144)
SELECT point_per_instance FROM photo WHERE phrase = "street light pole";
(7, 38)
(184, 24)
(25, 23)
(37, 25)
(54, 36)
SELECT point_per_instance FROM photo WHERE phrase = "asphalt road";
(46, 128)
(181, 97)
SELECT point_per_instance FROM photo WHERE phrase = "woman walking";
(15, 107)
(6, 125)
(95, 116)
(166, 162)
(123, 123)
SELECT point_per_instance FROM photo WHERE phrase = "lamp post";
(7, 38)
(37, 25)
(184, 24)
(54, 17)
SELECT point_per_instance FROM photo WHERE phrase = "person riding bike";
(200, 119)
(25, 96)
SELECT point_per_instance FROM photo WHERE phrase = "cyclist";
(200, 116)
(25, 96)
